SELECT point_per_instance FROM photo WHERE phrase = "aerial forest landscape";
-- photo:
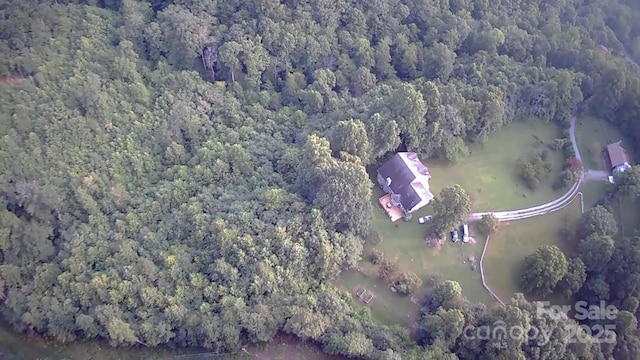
(320, 179)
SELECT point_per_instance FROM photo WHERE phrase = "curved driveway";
(549, 207)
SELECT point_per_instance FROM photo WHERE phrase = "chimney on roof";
(388, 181)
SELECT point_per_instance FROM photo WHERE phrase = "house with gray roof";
(406, 179)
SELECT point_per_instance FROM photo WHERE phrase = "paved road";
(551, 206)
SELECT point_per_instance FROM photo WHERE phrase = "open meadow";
(592, 136)
(515, 240)
(490, 174)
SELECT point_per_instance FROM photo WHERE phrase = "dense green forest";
(193, 172)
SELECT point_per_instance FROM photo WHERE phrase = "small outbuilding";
(618, 158)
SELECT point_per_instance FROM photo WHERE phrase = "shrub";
(489, 224)
(567, 149)
(544, 155)
(574, 165)
(533, 170)
(557, 144)
(387, 268)
(377, 256)
(566, 178)
(407, 282)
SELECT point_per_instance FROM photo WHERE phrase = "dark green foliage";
(574, 278)
(407, 282)
(377, 256)
(543, 270)
(163, 177)
(450, 208)
(489, 224)
(388, 268)
(596, 251)
(468, 330)
(565, 179)
(597, 220)
(627, 183)
(534, 169)
(558, 144)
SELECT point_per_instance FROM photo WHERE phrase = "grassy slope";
(490, 173)
(592, 134)
(518, 239)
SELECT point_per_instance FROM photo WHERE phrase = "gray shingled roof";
(401, 179)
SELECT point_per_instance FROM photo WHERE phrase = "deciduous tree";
(407, 282)
(597, 220)
(489, 224)
(451, 207)
(543, 269)
(574, 278)
(595, 252)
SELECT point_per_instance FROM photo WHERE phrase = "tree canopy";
(543, 270)
(451, 207)
(193, 172)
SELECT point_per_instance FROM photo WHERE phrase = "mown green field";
(592, 136)
(508, 248)
(490, 176)
(490, 173)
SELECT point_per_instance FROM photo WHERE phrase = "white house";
(406, 179)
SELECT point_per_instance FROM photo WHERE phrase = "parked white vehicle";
(424, 219)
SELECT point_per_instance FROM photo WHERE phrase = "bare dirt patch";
(11, 80)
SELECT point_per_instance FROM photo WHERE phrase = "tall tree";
(351, 137)
(597, 220)
(543, 269)
(384, 135)
(595, 252)
(452, 206)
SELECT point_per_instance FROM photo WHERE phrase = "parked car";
(424, 219)
(465, 232)
(454, 235)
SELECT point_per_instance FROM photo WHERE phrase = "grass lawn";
(626, 213)
(490, 173)
(406, 241)
(593, 191)
(387, 307)
(592, 136)
(490, 176)
(517, 239)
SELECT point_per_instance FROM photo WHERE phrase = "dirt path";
(596, 175)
